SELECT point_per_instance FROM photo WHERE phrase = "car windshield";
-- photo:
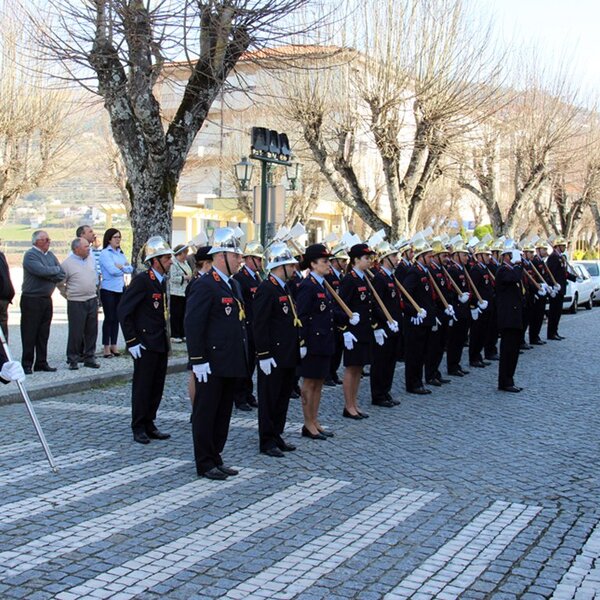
(592, 269)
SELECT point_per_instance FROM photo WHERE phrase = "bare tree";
(33, 130)
(119, 49)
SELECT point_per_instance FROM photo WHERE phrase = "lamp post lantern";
(243, 173)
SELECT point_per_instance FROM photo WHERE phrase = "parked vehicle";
(581, 292)
(593, 267)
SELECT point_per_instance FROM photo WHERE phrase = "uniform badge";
(393, 293)
(322, 306)
(228, 302)
(363, 296)
(156, 304)
(285, 308)
(228, 310)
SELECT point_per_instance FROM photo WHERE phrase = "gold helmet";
(279, 254)
(459, 246)
(559, 240)
(527, 245)
(340, 252)
(254, 248)
(155, 247)
(438, 246)
(541, 244)
(402, 245)
(498, 244)
(225, 240)
(421, 246)
(385, 249)
(481, 248)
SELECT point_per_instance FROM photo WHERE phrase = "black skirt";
(314, 366)
(359, 356)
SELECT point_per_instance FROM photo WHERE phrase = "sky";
(560, 29)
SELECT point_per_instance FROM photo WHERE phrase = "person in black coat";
(358, 337)
(319, 315)
(405, 253)
(7, 293)
(556, 264)
(490, 347)
(249, 278)
(143, 316)
(540, 270)
(383, 365)
(217, 347)
(417, 326)
(279, 348)
(509, 296)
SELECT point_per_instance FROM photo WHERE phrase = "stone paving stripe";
(82, 489)
(582, 580)
(149, 569)
(41, 467)
(54, 545)
(18, 448)
(303, 567)
(167, 415)
(458, 563)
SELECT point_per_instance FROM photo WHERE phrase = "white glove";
(422, 314)
(136, 351)
(483, 304)
(416, 320)
(436, 324)
(475, 314)
(557, 287)
(450, 322)
(515, 256)
(393, 326)
(201, 372)
(579, 279)
(463, 298)
(449, 310)
(303, 352)
(541, 292)
(266, 364)
(355, 319)
(552, 293)
(380, 336)
(349, 340)
(12, 371)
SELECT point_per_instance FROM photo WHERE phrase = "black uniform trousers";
(149, 372)
(336, 358)
(83, 329)
(416, 338)
(526, 319)
(383, 365)
(177, 310)
(211, 415)
(536, 319)
(479, 331)
(510, 342)
(436, 344)
(457, 336)
(245, 393)
(274, 393)
(554, 313)
(36, 317)
(491, 338)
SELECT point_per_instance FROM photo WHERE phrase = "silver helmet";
(155, 247)
(225, 240)
(279, 254)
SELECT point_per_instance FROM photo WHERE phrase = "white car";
(579, 293)
(593, 267)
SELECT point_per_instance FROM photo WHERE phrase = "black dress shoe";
(312, 436)
(245, 407)
(252, 401)
(336, 380)
(525, 346)
(442, 380)
(492, 357)
(392, 399)
(274, 452)
(510, 388)
(228, 470)
(456, 373)
(285, 447)
(214, 473)
(46, 368)
(326, 433)
(141, 438)
(385, 402)
(73, 366)
(91, 364)
(420, 391)
(478, 364)
(362, 415)
(156, 434)
(555, 338)
(27, 370)
(463, 371)
(434, 382)
(351, 416)
(329, 383)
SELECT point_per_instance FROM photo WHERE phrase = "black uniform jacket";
(418, 285)
(355, 292)
(319, 315)
(248, 285)
(557, 265)
(142, 312)
(509, 296)
(333, 280)
(457, 272)
(294, 283)
(540, 265)
(276, 330)
(443, 285)
(483, 281)
(215, 327)
(390, 295)
(402, 270)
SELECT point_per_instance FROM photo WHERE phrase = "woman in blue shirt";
(113, 265)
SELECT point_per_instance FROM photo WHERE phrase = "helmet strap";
(226, 257)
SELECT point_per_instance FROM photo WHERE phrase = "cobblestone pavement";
(468, 493)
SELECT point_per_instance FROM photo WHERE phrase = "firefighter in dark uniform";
(405, 253)
(439, 333)
(536, 298)
(383, 365)
(217, 344)
(509, 294)
(417, 326)
(339, 264)
(537, 318)
(556, 263)
(490, 347)
(482, 281)
(319, 315)
(458, 333)
(279, 349)
(359, 337)
(143, 316)
(249, 278)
